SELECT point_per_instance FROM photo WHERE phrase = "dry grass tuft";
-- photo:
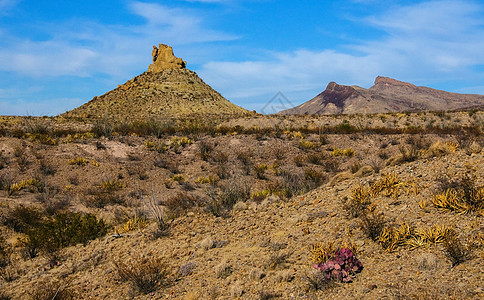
(145, 274)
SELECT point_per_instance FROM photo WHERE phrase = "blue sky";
(57, 55)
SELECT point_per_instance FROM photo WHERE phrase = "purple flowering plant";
(342, 266)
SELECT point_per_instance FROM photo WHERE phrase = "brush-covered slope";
(166, 90)
(387, 95)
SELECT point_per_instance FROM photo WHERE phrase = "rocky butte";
(164, 59)
(166, 90)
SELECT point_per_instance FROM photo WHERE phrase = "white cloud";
(82, 48)
(426, 42)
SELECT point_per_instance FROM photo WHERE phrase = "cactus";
(342, 267)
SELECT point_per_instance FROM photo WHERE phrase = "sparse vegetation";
(179, 188)
(61, 230)
(145, 274)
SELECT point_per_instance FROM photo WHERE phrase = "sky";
(57, 55)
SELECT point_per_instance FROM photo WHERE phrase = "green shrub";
(22, 218)
(62, 230)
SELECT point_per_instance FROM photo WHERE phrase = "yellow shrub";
(79, 162)
(180, 141)
(111, 185)
(209, 179)
(343, 152)
(178, 178)
(320, 252)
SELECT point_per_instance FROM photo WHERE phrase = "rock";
(164, 59)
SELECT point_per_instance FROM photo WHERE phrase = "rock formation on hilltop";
(386, 95)
(164, 59)
(168, 89)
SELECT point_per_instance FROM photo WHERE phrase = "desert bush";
(418, 142)
(181, 202)
(156, 212)
(22, 218)
(246, 159)
(332, 165)
(177, 142)
(358, 202)
(261, 195)
(455, 250)
(355, 167)
(318, 281)
(110, 185)
(235, 190)
(100, 200)
(52, 290)
(293, 182)
(277, 260)
(46, 169)
(318, 158)
(4, 252)
(205, 149)
(3, 160)
(314, 178)
(210, 179)
(178, 178)
(103, 127)
(102, 194)
(344, 127)
(260, 171)
(440, 148)
(145, 274)
(342, 152)
(132, 224)
(407, 153)
(45, 139)
(80, 161)
(372, 224)
(62, 230)
(461, 195)
(300, 160)
(37, 125)
(321, 252)
(306, 145)
(32, 185)
(21, 156)
(159, 147)
(223, 270)
(393, 237)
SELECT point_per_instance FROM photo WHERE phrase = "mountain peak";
(387, 95)
(164, 59)
(337, 94)
(390, 81)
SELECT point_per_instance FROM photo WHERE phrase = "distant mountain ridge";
(168, 89)
(386, 95)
